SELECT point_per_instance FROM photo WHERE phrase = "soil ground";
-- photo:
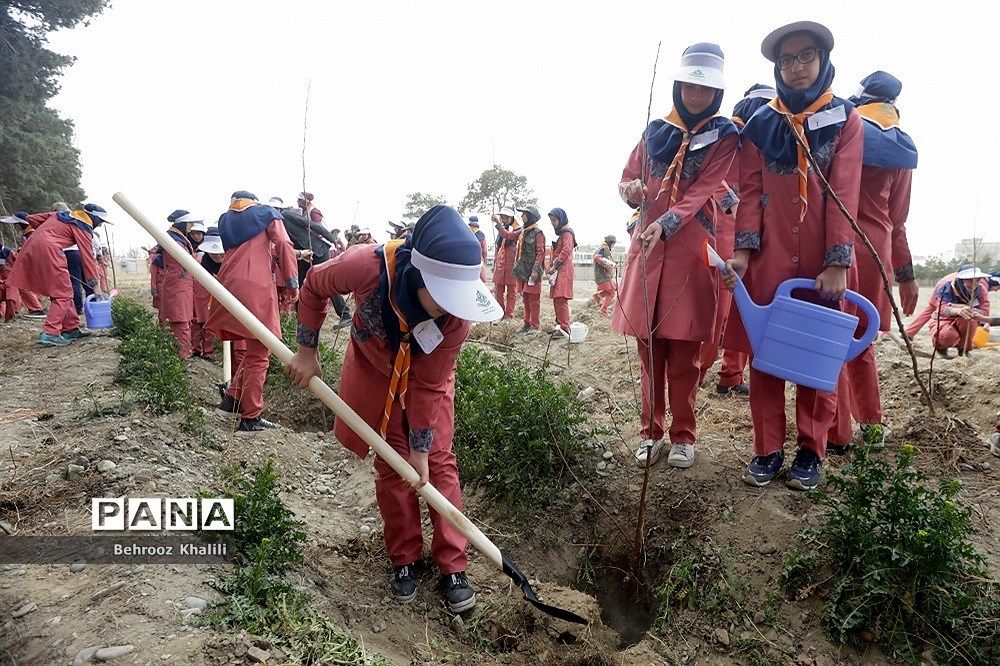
(574, 555)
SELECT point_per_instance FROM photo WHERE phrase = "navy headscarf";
(439, 234)
(890, 148)
(753, 99)
(663, 139)
(769, 131)
(238, 226)
(176, 233)
(563, 224)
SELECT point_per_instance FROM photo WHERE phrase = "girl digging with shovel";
(417, 297)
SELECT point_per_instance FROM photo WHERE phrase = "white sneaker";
(681, 455)
(995, 444)
(650, 448)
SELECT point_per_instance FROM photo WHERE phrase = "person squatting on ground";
(43, 268)
(561, 291)
(668, 296)
(259, 266)
(963, 304)
(787, 227)
(416, 298)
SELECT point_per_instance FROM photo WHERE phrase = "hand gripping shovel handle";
(434, 498)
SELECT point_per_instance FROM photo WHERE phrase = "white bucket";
(577, 331)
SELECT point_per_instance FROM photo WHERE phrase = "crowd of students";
(744, 185)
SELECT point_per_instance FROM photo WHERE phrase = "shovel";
(431, 495)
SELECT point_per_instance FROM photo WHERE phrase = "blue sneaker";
(804, 472)
(49, 340)
(762, 469)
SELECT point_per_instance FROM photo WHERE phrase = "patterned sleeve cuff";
(671, 222)
(729, 201)
(905, 273)
(93, 282)
(747, 240)
(306, 337)
(838, 255)
(292, 282)
(421, 439)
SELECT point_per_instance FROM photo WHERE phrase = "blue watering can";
(97, 312)
(798, 341)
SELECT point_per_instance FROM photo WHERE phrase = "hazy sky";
(180, 103)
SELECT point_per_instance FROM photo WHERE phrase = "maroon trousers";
(815, 412)
(676, 363)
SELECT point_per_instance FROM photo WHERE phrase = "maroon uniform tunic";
(429, 413)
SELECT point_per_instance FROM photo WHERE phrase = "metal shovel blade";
(515, 574)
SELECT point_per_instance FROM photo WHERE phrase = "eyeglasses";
(805, 57)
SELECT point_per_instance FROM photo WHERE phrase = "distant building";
(974, 248)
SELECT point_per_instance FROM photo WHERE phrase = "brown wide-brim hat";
(769, 46)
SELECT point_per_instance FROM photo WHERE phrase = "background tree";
(494, 188)
(419, 203)
(40, 165)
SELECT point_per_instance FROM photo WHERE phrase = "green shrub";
(256, 598)
(149, 364)
(510, 424)
(905, 573)
(267, 531)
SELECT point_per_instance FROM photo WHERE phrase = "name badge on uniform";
(427, 335)
(826, 118)
(699, 141)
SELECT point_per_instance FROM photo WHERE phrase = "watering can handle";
(95, 297)
(871, 314)
(874, 320)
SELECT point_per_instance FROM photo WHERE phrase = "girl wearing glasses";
(670, 178)
(786, 228)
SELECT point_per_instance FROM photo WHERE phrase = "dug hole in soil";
(579, 554)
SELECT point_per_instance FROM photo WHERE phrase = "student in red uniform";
(209, 254)
(604, 274)
(504, 282)
(10, 299)
(732, 373)
(786, 227)
(670, 177)
(529, 255)
(416, 297)
(964, 305)
(42, 267)
(29, 299)
(480, 236)
(176, 286)
(561, 291)
(890, 157)
(249, 231)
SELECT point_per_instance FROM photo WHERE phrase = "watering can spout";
(754, 316)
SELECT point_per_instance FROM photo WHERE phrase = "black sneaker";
(762, 469)
(837, 449)
(459, 596)
(804, 472)
(228, 405)
(403, 584)
(345, 321)
(943, 353)
(256, 425)
(76, 334)
(739, 389)
(222, 387)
